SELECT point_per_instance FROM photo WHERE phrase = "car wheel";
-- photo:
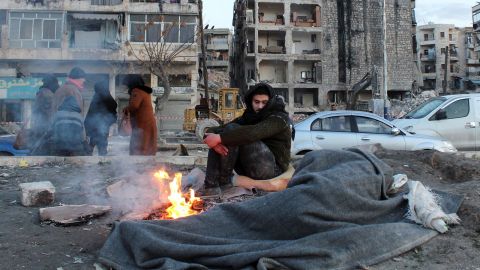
(5, 154)
(202, 125)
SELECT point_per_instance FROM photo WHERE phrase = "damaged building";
(442, 58)
(313, 51)
(472, 44)
(52, 36)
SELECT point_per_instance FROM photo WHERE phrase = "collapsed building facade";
(52, 36)
(312, 51)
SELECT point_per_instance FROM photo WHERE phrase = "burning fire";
(181, 206)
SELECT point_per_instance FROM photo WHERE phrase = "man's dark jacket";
(270, 125)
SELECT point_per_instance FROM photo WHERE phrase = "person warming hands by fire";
(256, 144)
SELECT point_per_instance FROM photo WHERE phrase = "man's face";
(259, 101)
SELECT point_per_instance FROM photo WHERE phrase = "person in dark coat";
(256, 144)
(101, 114)
(143, 140)
(42, 112)
(68, 133)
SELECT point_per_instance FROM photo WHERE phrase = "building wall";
(99, 63)
(349, 43)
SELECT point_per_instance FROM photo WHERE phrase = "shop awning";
(89, 16)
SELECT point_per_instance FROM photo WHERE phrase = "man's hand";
(221, 149)
(212, 140)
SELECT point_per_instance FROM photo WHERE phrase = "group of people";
(60, 127)
(256, 145)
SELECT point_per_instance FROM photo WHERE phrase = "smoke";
(125, 186)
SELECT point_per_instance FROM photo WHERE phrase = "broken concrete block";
(72, 214)
(37, 193)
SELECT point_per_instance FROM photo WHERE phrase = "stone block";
(37, 193)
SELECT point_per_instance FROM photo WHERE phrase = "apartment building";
(218, 42)
(52, 36)
(472, 45)
(441, 56)
(313, 51)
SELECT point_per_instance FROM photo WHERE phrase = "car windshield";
(425, 108)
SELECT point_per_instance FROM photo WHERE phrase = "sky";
(459, 12)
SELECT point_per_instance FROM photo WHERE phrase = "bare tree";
(158, 56)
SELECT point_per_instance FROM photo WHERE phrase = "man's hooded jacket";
(271, 125)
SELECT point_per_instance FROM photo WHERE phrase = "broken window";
(88, 30)
(167, 28)
(35, 29)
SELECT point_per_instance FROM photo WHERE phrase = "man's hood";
(250, 93)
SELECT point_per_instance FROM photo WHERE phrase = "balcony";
(304, 15)
(430, 41)
(271, 42)
(217, 46)
(471, 61)
(106, 2)
(217, 63)
(271, 13)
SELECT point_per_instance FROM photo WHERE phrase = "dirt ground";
(25, 243)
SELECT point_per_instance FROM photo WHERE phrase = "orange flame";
(180, 206)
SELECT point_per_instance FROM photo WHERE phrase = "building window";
(442, 50)
(35, 29)
(425, 36)
(162, 28)
(442, 34)
(450, 37)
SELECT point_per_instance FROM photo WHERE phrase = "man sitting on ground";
(256, 145)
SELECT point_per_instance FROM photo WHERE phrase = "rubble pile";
(399, 108)
(218, 79)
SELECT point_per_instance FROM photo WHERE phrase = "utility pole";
(204, 50)
(445, 82)
(385, 61)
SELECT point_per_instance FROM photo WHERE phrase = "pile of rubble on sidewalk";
(400, 108)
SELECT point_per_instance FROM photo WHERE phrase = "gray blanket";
(334, 214)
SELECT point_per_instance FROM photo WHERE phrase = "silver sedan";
(341, 129)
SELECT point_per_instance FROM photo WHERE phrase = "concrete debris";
(400, 108)
(72, 214)
(117, 188)
(37, 193)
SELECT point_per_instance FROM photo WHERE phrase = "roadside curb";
(90, 160)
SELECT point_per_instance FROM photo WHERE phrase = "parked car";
(7, 140)
(341, 129)
(453, 117)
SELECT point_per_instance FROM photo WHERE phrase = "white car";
(453, 117)
(341, 129)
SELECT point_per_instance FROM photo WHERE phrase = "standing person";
(101, 114)
(68, 132)
(143, 140)
(257, 144)
(72, 87)
(43, 111)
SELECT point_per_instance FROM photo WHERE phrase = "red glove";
(212, 140)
